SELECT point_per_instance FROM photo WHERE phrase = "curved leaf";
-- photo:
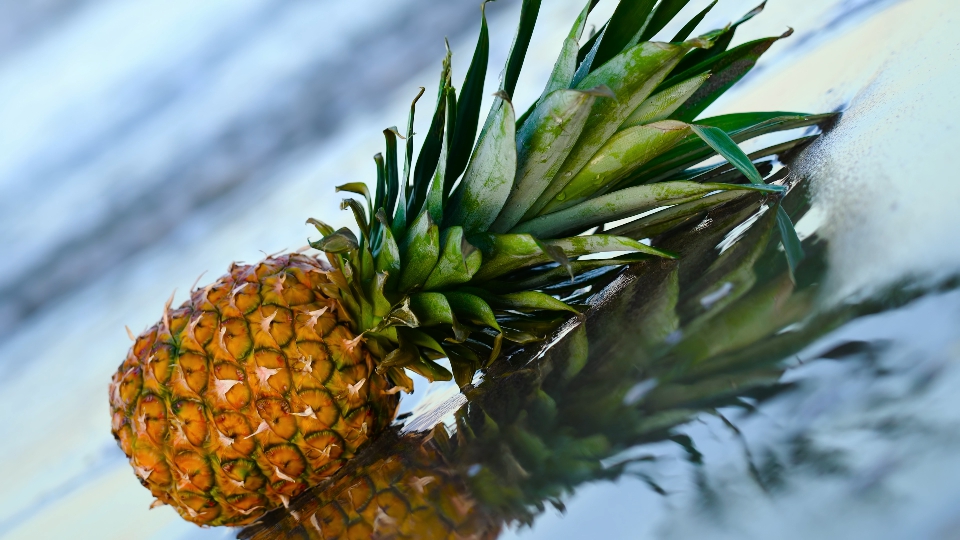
(530, 300)
(342, 241)
(650, 225)
(472, 308)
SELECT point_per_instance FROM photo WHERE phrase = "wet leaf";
(529, 300)
(631, 76)
(662, 104)
(623, 30)
(789, 238)
(624, 153)
(419, 252)
(489, 177)
(459, 261)
(543, 142)
(472, 308)
(625, 203)
(566, 65)
(504, 253)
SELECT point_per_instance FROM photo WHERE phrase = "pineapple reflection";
(663, 343)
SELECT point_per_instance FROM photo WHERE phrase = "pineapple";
(529, 436)
(267, 381)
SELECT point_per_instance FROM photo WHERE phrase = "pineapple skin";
(405, 496)
(253, 390)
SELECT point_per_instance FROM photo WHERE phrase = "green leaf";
(586, 65)
(381, 306)
(727, 69)
(631, 76)
(419, 252)
(543, 142)
(459, 261)
(691, 25)
(433, 309)
(558, 275)
(380, 199)
(740, 126)
(718, 139)
(662, 104)
(624, 29)
(724, 145)
(489, 177)
(665, 12)
(392, 170)
(721, 40)
(624, 153)
(468, 109)
(437, 196)
(322, 227)
(529, 300)
(472, 308)
(341, 241)
(420, 339)
(789, 239)
(430, 370)
(430, 151)
(652, 224)
(529, 11)
(405, 354)
(566, 64)
(400, 218)
(360, 189)
(359, 215)
(388, 257)
(504, 253)
(624, 203)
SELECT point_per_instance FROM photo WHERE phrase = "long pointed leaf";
(623, 30)
(623, 154)
(721, 40)
(437, 196)
(631, 76)
(468, 108)
(740, 126)
(566, 65)
(489, 177)
(430, 151)
(691, 25)
(400, 219)
(504, 253)
(529, 11)
(543, 143)
(664, 13)
(726, 70)
(624, 203)
(650, 225)
(662, 104)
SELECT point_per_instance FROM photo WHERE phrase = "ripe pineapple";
(268, 380)
(530, 436)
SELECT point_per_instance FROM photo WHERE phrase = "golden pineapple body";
(253, 390)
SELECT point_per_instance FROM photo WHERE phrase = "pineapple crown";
(484, 243)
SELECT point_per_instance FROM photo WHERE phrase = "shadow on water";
(665, 345)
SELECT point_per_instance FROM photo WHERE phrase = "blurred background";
(144, 143)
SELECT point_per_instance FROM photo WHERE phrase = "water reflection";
(666, 344)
